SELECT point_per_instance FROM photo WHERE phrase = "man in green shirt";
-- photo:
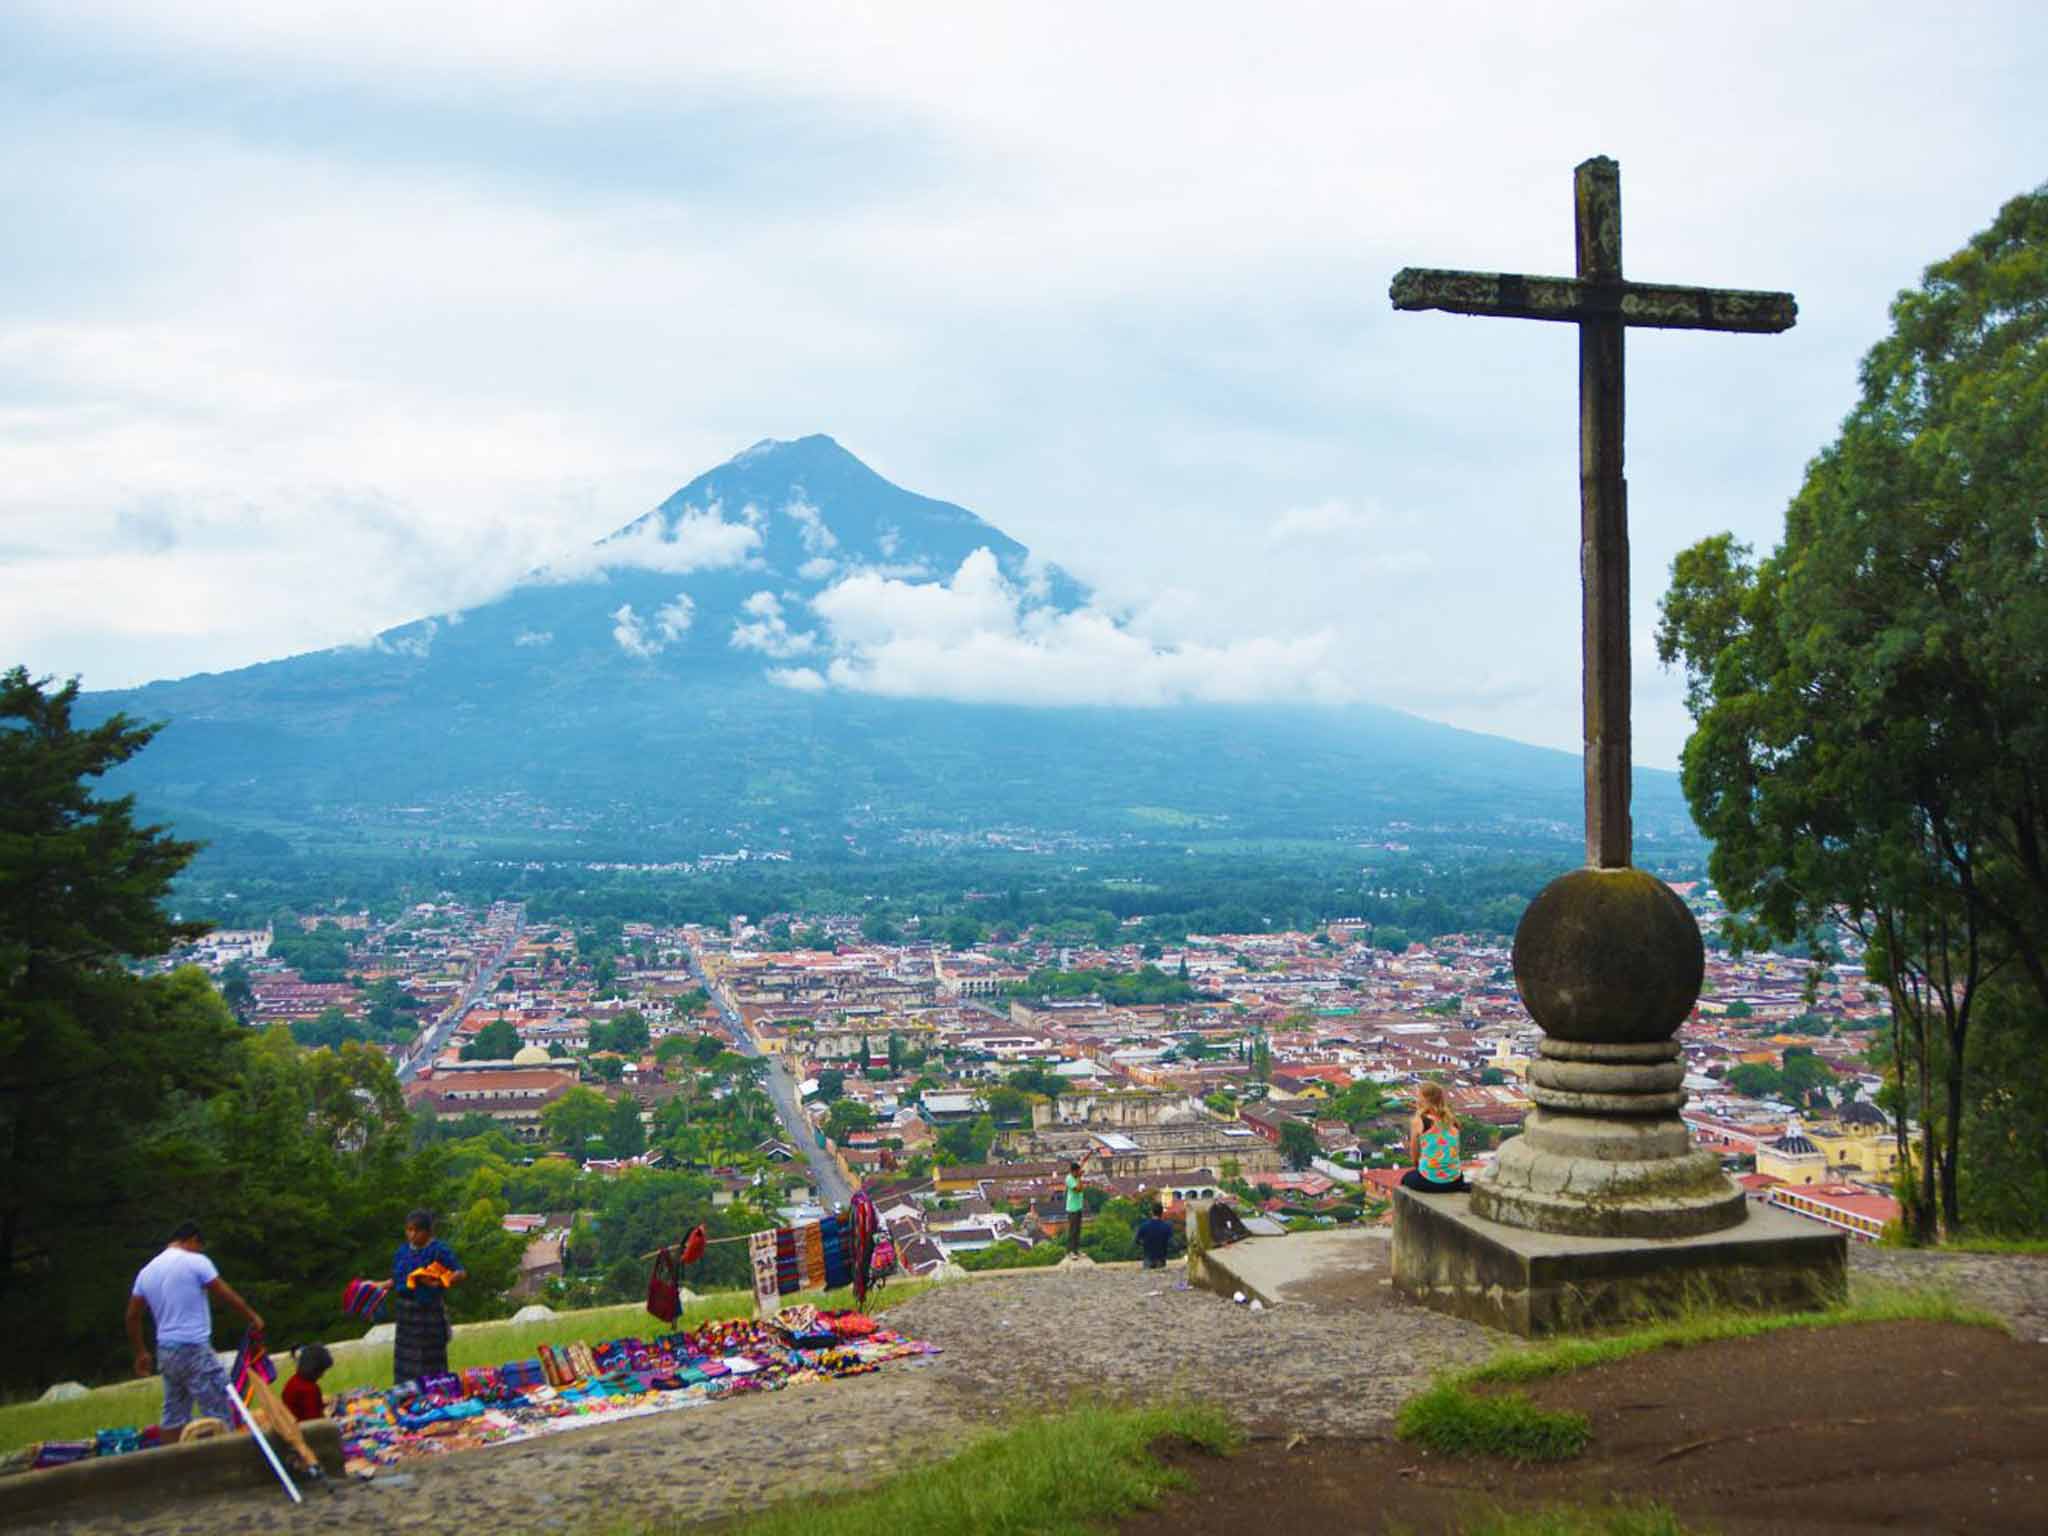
(1075, 1205)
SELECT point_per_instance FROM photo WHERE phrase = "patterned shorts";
(192, 1373)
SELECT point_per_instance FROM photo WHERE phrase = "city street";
(833, 1188)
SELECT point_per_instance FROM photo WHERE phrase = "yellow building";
(1793, 1158)
(1859, 1142)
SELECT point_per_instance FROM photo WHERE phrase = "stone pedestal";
(1602, 1209)
(1453, 1260)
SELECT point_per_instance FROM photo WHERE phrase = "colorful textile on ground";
(576, 1385)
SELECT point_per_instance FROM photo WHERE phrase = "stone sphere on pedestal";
(1609, 962)
(1609, 956)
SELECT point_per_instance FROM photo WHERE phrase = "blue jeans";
(192, 1372)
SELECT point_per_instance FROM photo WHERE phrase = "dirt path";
(1898, 1426)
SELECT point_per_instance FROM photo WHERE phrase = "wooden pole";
(1603, 523)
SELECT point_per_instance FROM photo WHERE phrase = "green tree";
(1756, 1081)
(846, 1117)
(574, 1118)
(969, 1141)
(626, 1034)
(1807, 1078)
(496, 1041)
(327, 1028)
(1008, 1106)
(831, 1084)
(1871, 719)
(1297, 1143)
(91, 1058)
(623, 1132)
(237, 990)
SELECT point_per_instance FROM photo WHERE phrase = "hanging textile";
(761, 1254)
(664, 1298)
(865, 1222)
(693, 1245)
(788, 1270)
(811, 1239)
(837, 1239)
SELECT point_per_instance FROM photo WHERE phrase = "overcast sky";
(319, 317)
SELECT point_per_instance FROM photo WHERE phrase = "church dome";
(1795, 1145)
(530, 1056)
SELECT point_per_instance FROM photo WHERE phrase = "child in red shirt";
(302, 1392)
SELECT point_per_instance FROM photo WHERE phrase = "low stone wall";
(145, 1479)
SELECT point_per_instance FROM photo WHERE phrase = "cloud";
(534, 637)
(1136, 326)
(801, 679)
(1326, 519)
(413, 640)
(818, 569)
(978, 639)
(768, 630)
(810, 526)
(697, 540)
(646, 638)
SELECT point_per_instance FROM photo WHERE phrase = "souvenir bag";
(664, 1298)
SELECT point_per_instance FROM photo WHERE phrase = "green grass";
(1577, 1520)
(1061, 1474)
(139, 1402)
(1453, 1421)
(1873, 1304)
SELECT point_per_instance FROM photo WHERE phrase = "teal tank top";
(1439, 1159)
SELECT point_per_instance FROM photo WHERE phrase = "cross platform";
(1532, 1283)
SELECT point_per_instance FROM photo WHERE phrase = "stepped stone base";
(1542, 1282)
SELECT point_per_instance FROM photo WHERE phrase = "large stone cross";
(1602, 305)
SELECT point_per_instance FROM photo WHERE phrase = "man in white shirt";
(174, 1286)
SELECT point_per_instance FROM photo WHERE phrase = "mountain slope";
(629, 688)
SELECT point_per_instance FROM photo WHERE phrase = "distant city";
(956, 1083)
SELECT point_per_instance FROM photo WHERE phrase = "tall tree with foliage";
(1297, 1143)
(91, 1057)
(1871, 700)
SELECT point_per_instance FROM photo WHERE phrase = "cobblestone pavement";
(2015, 1286)
(1027, 1341)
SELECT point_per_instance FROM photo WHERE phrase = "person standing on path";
(173, 1287)
(421, 1271)
(1075, 1204)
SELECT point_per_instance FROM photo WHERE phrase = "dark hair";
(1073, 1167)
(185, 1232)
(314, 1360)
(1158, 1209)
(421, 1218)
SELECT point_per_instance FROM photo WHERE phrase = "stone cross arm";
(1665, 306)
